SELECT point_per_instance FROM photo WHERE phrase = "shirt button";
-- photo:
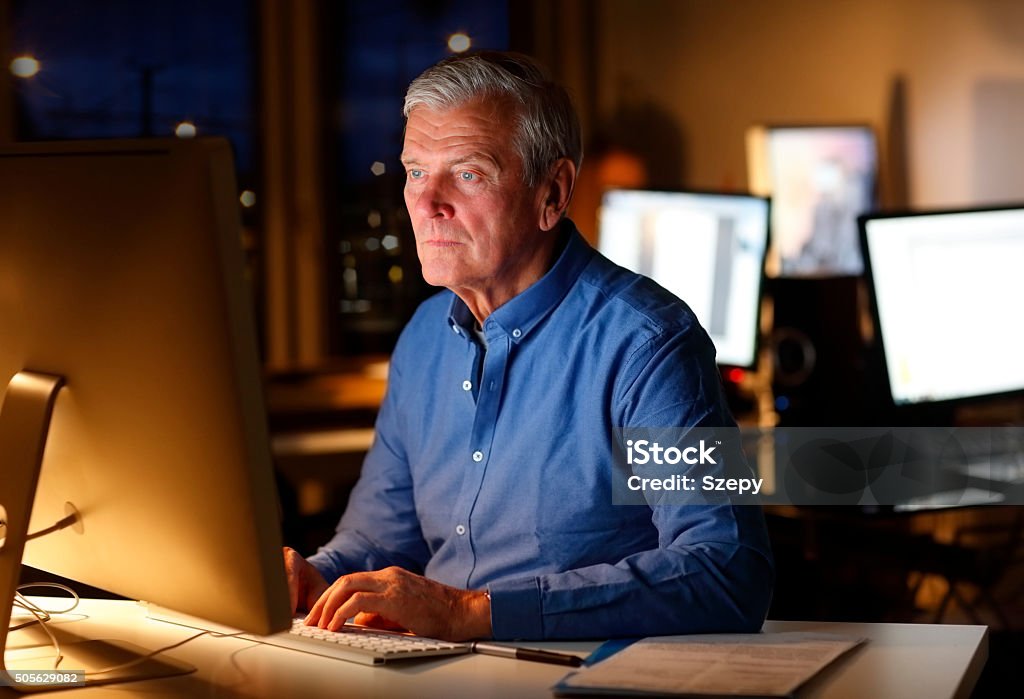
(460, 530)
(467, 385)
(455, 328)
(478, 456)
(517, 332)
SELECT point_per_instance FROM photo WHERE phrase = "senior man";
(484, 508)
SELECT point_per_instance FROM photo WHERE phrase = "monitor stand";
(24, 424)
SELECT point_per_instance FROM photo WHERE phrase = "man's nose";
(433, 200)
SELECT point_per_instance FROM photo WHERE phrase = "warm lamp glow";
(24, 66)
(459, 42)
(185, 129)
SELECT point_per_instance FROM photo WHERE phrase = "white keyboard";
(361, 645)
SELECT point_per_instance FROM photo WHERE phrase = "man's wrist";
(476, 614)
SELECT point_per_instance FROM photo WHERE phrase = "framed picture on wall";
(820, 178)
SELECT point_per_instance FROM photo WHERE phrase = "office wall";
(947, 73)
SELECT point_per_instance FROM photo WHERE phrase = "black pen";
(540, 656)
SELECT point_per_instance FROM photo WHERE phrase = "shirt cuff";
(516, 609)
(323, 562)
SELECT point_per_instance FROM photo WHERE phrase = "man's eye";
(467, 176)
(414, 174)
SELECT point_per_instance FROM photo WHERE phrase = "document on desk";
(736, 665)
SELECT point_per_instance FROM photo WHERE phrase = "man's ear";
(558, 192)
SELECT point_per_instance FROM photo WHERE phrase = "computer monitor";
(706, 248)
(946, 289)
(121, 274)
(820, 178)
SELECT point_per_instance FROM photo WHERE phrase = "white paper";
(762, 665)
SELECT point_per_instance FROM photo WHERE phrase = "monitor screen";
(121, 271)
(820, 178)
(947, 290)
(708, 249)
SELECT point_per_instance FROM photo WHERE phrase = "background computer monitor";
(946, 290)
(820, 178)
(121, 271)
(706, 248)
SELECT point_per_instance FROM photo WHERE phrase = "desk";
(899, 660)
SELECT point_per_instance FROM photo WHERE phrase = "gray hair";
(547, 127)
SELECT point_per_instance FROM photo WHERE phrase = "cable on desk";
(42, 616)
(148, 656)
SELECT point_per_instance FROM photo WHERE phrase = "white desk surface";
(899, 660)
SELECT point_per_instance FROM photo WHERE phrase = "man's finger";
(314, 589)
(336, 610)
(376, 621)
(344, 587)
(313, 618)
(366, 602)
(323, 607)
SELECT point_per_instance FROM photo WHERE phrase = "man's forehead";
(470, 126)
(479, 112)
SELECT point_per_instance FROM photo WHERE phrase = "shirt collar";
(518, 316)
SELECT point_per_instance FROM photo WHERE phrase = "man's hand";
(305, 584)
(425, 607)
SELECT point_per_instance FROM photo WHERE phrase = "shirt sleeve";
(380, 527)
(712, 570)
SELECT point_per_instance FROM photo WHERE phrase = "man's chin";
(439, 277)
(435, 279)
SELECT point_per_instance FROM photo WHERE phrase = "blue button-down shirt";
(492, 466)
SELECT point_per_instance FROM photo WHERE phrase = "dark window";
(130, 69)
(376, 49)
(126, 69)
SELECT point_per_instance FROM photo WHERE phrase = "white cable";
(143, 658)
(158, 651)
(56, 586)
(42, 616)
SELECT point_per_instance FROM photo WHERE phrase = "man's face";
(476, 222)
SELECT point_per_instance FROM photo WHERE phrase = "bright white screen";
(949, 289)
(707, 249)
